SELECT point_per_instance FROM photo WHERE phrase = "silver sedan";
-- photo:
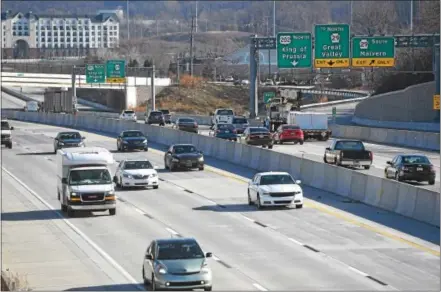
(176, 264)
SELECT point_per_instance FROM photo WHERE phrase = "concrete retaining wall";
(413, 104)
(401, 198)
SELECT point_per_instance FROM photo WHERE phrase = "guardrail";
(401, 198)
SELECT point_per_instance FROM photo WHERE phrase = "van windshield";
(225, 113)
(90, 177)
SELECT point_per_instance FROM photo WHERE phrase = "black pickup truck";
(348, 153)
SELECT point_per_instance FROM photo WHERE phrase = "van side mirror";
(83, 138)
(202, 153)
(12, 128)
(208, 255)
(328, 148)
(298, 182)
(64, 180)
(148, 257)
(389, 162)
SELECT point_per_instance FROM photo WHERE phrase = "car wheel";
(112, 212)
(153, 284)
(63, 208)
(70, 213)
(165, 164)
(10, 146)
(301, 142)
(171, 167)
(299, 206)
(208, 288)
(324, 159)
(155, 187)
(385, 174)
(263, 146)
(146, 149)
(431, 182)
(270, 146)
(397, 177)
(55, 151)
(366, 167)
(201, 168)
(250, 202)
(259, 205)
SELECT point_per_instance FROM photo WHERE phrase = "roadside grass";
(14, 282)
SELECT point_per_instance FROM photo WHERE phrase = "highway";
(329, 244)
(314, 150)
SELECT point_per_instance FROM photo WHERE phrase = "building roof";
(97, 18)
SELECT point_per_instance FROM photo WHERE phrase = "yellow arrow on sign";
(116, 80)
(331, 63)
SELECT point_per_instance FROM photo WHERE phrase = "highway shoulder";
(44, 252)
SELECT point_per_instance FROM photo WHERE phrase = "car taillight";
(195, 125)
(432, 169)
(217, 131)
(371, 155)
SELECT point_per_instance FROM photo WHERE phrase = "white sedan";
(136, 173)
(128, 115)
(274, 189)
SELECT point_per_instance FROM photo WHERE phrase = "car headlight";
(297, 193)
(201, 158)
(127, 175)
(81, 144)
(60, 143)
(154, 175)
(111, 193)
(175, 160)
(162, 270)
(145, 141)
(125, 142)
(74, 194)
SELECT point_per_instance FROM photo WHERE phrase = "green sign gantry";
(331, 45)
(95, 73)
(294, 50)
(377, 51)
(267, 96)
(116, 71)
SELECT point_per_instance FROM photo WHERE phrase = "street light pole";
(128, 21)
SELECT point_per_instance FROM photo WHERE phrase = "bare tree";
(370, 18)
(428, 20)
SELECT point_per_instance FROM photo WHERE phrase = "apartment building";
(28, 35)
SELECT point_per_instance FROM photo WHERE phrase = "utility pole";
(269, 50)
(191, 46)
(152, 83)
(411, 16)
(128, 21)
(196, 29)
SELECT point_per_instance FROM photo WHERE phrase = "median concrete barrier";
(412, 139)
(401, 198)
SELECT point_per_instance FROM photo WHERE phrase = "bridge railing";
(53, 68)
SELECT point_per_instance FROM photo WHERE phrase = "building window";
(68, 40)
(43, 40)
(54, 27)
(19, 28)
(19, 33)
(49, 40)
(49, 33)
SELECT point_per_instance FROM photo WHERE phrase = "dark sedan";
(68, 140)
(186, 124)
(155, 117)
(131, 140)
(405, 167)
(183, 156)
(257, 136)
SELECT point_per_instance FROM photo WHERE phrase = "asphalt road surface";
(330, 244)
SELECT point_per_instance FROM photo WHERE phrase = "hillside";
(203, 99)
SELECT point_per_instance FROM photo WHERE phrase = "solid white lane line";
(80, 233)
(357, 271)
(139, 211)
(171, 231)
(260, 287)
(249, 219)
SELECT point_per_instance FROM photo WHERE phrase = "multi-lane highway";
(314, 150)
(329, 244)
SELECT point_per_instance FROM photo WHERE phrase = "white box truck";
(314, 125)
(84, 181)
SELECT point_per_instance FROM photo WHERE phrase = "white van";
(84, 181)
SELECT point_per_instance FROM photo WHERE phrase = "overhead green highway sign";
(331, 45)
(294, 50)
(95, 73)
(377, 51)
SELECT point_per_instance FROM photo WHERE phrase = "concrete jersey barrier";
(411, 139)
(398, 197)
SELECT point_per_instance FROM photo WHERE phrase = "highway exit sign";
(331, 45)
(116, 71)
(294, 50)
(267, 96)
(377, 51)
(95, 73)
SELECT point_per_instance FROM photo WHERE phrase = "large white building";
(28, 35)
